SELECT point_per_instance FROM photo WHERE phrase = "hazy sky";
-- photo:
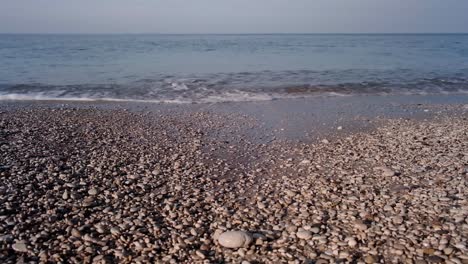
(232, 16)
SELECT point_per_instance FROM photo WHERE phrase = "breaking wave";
(244, 86)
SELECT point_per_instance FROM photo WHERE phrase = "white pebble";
(93, 191)
(235, 239)
(352, 242)
(303, 234)
(20, 246)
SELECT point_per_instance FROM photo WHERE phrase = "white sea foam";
(40, 97)
(237, 96)
(179, 86)
(222, 96)
(232, 96)
(44, 97)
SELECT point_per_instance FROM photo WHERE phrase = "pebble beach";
(93, 185)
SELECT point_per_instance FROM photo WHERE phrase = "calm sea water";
(212, 68)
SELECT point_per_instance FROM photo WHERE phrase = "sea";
(223, 68)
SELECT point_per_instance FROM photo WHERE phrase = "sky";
(233, 16)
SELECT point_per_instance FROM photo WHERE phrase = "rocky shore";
(112, 186)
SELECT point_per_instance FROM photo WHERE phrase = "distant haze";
(233, 16)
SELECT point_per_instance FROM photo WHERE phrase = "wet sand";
(324, 180)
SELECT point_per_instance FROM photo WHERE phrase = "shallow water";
(214, 68)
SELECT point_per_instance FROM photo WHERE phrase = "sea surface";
(219, 68)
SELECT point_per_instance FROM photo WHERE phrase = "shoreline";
(105, 183)
(300, 119)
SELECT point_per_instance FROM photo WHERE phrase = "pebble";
(200, 254)
(359, 225)
(235, 239)
(435, 259)
(352, 242)
(460, 246)
(370, 259)
(386, 172)
(6, 238)
(75, 233)
(388, 208)
(315, 230)
(322, 261)
(93, 191)
(115, 231)
(303, 234)
(397, 220)
(137, 189)
(448, 250)
(20, 246)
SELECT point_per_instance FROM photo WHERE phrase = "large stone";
(387, 172)
(235, 239)
(20, 246)
(303, 234)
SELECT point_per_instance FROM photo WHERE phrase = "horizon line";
(268, 33)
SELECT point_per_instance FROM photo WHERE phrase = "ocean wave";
(214, 98)
(224, 97)
(237, 97)
(45, 97)
(234, 88)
